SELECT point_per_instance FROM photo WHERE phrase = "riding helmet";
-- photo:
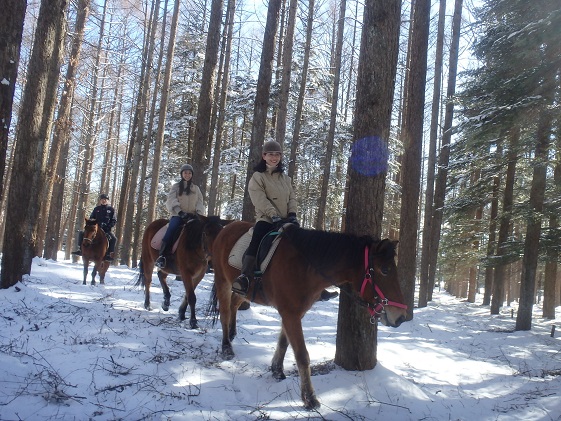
(186, 167)
(103, 196)
(271, 146)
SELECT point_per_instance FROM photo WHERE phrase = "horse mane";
(193, 233)
(326, 249)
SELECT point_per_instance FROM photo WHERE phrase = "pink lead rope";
(382, 300)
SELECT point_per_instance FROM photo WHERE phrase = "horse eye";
(385, 270)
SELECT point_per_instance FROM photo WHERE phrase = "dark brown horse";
(190, 260)
(94, 247)
(304, 263)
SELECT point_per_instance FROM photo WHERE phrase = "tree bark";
(441, 180)
(30, 157)
(356, 345)
(412, 137)
(11, 32)
(204, 109)
(429, 194)
(261, 105)
(336, 62)
(61, 139)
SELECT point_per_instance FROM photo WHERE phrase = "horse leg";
(292, 327)
(86, 264)
(277, 364)
(224, 294)
(167, 295)
(103, 270)
(94, 272)
(189, 299)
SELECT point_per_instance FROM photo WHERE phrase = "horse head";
(380, 288)
(90, 231)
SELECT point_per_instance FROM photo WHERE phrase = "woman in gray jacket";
(271, 192)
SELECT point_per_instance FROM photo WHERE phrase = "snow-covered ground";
(74, 352)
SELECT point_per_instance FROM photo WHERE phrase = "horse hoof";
(84, 283)
(165, 307)
(311, 403)
(227, 353)
(147, 307)
(278, 375)
(193, 324)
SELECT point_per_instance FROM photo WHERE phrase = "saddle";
(265, 252)
(157, 238)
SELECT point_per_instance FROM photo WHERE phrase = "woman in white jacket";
(185, 201)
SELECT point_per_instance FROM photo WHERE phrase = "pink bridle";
(375, 310)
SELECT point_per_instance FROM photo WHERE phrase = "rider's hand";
(292, 219)
(276, 219)
(182, 214)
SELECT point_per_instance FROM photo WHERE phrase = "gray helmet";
(271, 146)
(186, 167)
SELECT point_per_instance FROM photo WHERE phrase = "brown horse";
(190, 260)
(94, 247)
(304, 263)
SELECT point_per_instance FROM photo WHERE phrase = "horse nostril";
(399, 321)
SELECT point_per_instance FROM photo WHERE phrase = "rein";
(377, 309)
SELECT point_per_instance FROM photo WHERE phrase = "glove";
(104, 227)
(276, 219)
(292, 220)
(182, 214)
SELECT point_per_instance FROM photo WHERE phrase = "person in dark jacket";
(104, 214)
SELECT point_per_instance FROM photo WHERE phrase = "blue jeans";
(174, 223)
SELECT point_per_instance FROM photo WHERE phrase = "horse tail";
(212, 309)
(140, 281)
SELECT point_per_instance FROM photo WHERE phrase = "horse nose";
(399, 321)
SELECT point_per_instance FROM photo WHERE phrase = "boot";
(80, 239)
(242, 282)
(161, 260)
(109, 256)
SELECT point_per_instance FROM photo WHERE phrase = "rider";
(272, 195)
(184, 201)
(104, 214)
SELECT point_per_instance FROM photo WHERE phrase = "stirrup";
(241, 285)
(160, 262)
(108, 258)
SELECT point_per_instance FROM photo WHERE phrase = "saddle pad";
(237, 252)
(157, 239)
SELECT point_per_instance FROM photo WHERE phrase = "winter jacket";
(272, 195)
(105, 217)
(190, 203)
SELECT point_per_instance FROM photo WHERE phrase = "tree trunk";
(11, 31)
(537, 195)
(356, 345)
(202, 129)
(440, 186)
(30, 155)
(61, 138)
(280, 129)
(336, 62)
(505, 218)
(128, 215)
(213, 209)
(261, 106)
(429, 194)
(302, 93)
(412, 137)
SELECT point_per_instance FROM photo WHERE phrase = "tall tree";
(11, 30)
(61, 138)
(202, 129)
(30, 157)
(442, 178)
(261, 105)
(431, 161)
(412, 137)
(356, 345)
(336, 62)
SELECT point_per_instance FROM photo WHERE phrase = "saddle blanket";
(157, 239)
(236, 255)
